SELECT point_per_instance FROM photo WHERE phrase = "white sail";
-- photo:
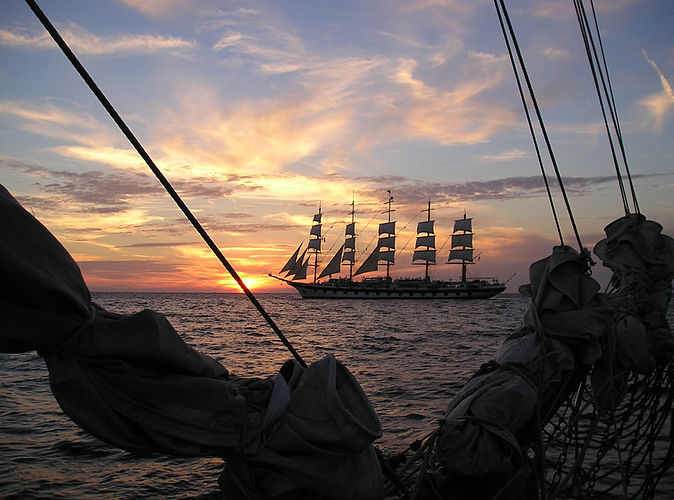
(387, 255)
(369, 264)
(425, 241)
(387, 242)
(465, 254)
(387, 228)
(291, 261)
(425, 226)
(302, 272)
(462, 240)
(425, 255)
(463, 225)
(334, 265)
(350, 229)
(315, 244)
(317, 217)
(350, 243)
(349, 256)
(315, 230)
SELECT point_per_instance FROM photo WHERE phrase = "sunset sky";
(258, 112)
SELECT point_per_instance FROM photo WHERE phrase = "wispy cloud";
(659, 104)
(513, 154)
(85, 42)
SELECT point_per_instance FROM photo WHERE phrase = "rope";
(597, 74)
(531, 128)
(615, 110)
(141, 151)
(540, 122)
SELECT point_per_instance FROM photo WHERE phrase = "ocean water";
(411, 358)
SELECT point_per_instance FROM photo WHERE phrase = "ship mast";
(462, 244)
(351, 231)
(428, 219)
(315, 243)
(424, 249)
(388, 211)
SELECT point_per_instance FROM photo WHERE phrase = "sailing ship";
(386, 287)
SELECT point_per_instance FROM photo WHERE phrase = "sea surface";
(411, 357)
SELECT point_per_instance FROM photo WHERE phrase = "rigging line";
(531, 127)
(141, 151)
(590, 50)
(615, 110)
(542, 125)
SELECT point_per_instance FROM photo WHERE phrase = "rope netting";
(621, 452)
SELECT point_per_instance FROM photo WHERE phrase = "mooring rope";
(164, 181)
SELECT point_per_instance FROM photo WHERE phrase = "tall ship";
(323, 285)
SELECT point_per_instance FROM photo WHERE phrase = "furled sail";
(334, 265)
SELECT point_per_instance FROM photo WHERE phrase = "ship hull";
(411, 289)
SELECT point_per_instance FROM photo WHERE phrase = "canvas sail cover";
(387, 242)
(131, 381)
(463, 225)
(350, 229)
(315, 244)
(425, 255)
(425, 226)
(387, 228)
(462, 240)
(290, 265)
(334, 265)
(425, 241)
(315, 230)
(466, 254)
(569, 330)
(370, 264)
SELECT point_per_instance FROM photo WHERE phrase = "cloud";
(45, 117)
(158, 8)
(556, 54)
(660, 104)
(85, 42)
(513, 154)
